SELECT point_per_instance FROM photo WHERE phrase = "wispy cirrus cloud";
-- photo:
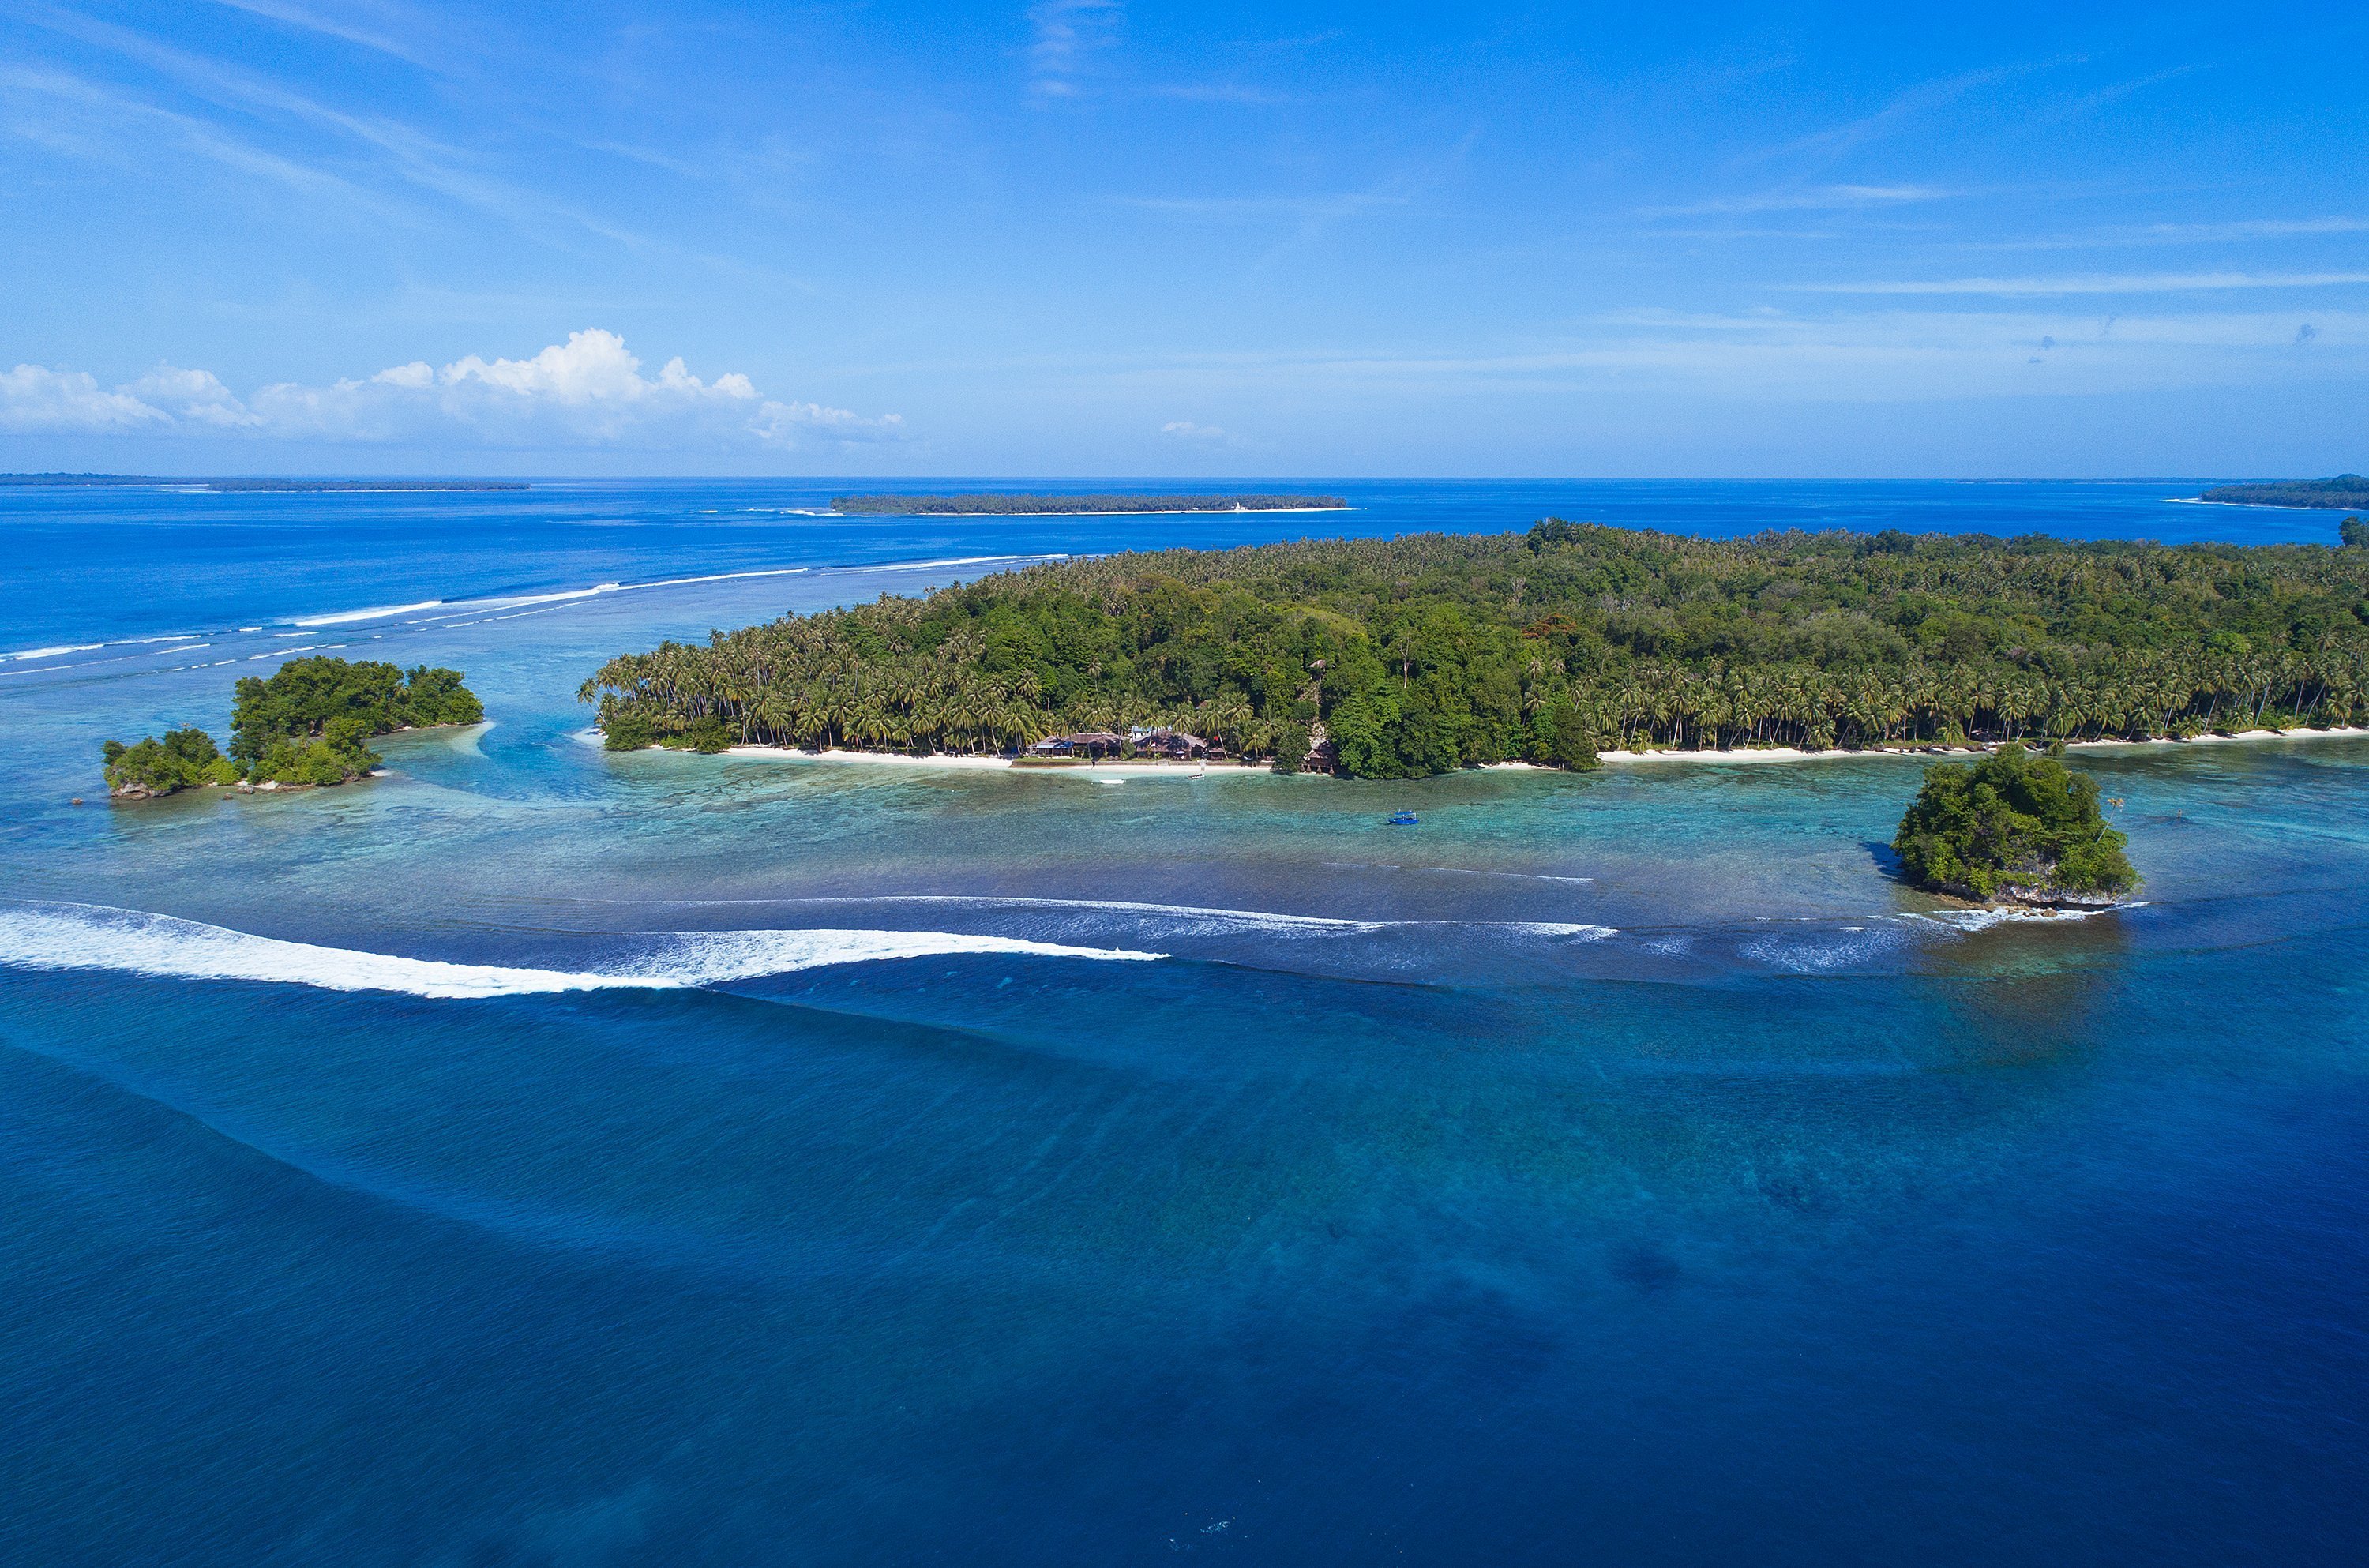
(1806, 199)
(1321, 207)
(71, 114)
(416, 159)
(2236, 230)
(1064, 36)
(2089, 283)
(1218, 92)
(394, 25)
(588, 392)
(2253, 228)
(1903, 109)
(1905, 354)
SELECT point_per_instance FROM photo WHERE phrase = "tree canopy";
(306, 724)
(2344, 490)
(184, 759)
(2013, 826)
(1412, 655)
(305, 696)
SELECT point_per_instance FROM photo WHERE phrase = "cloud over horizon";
(588, 392)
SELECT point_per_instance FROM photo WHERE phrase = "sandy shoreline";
(1742, 756)
(2258, 506)
(1794, 754)
(1004, 764)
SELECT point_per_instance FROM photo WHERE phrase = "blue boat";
(1403, 819)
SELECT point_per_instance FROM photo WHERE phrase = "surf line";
(453, 607)
(96, 936)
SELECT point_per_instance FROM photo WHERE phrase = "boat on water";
(1403, 819)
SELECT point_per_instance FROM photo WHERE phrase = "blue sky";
(1119, 237)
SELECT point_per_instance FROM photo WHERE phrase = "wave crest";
(83, 936)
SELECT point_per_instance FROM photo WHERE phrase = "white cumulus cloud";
(589, 391)
(1186, 430)
(34, 398)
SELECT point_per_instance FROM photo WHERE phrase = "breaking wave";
(1983, 920)
(82, 936)
(1198, 919)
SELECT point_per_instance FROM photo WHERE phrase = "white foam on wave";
(1253, 920)
(1983, 920)
(85, 936)
(379, 614)
(951, 561)
(86, 648)
(1226, 919)
(1802, 957)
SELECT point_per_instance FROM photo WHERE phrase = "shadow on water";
(2036, 990)
(1885, 858)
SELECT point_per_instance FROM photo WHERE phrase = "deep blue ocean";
(537, 1156)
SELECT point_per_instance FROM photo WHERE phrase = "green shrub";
(305, 696)
(625, 729)
(184, 759)
(2012, 823)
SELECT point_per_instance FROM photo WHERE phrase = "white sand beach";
(1738, 755)
(1005, 765)
(1794, 754)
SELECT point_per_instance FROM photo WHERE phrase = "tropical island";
(1409, 657)
(981, 504)
(105, 481)
(306, 724)
(2346, 490)
(2014, 827)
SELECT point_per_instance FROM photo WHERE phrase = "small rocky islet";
(309, 724)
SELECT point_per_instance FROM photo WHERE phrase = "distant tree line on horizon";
(2344, 490)
(233, 486)
(989, 505)
(307, 725)
(1414, 655)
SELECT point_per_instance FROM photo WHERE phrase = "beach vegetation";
(2013, 827)
(1431, 652)
(2355, 532)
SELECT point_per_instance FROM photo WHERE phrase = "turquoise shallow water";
(1615, 1169)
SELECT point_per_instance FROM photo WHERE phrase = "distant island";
(2014, 829)
(1408, 656)
(2343, 492)
(1029, 505)
(101, 481)
(306, 724)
